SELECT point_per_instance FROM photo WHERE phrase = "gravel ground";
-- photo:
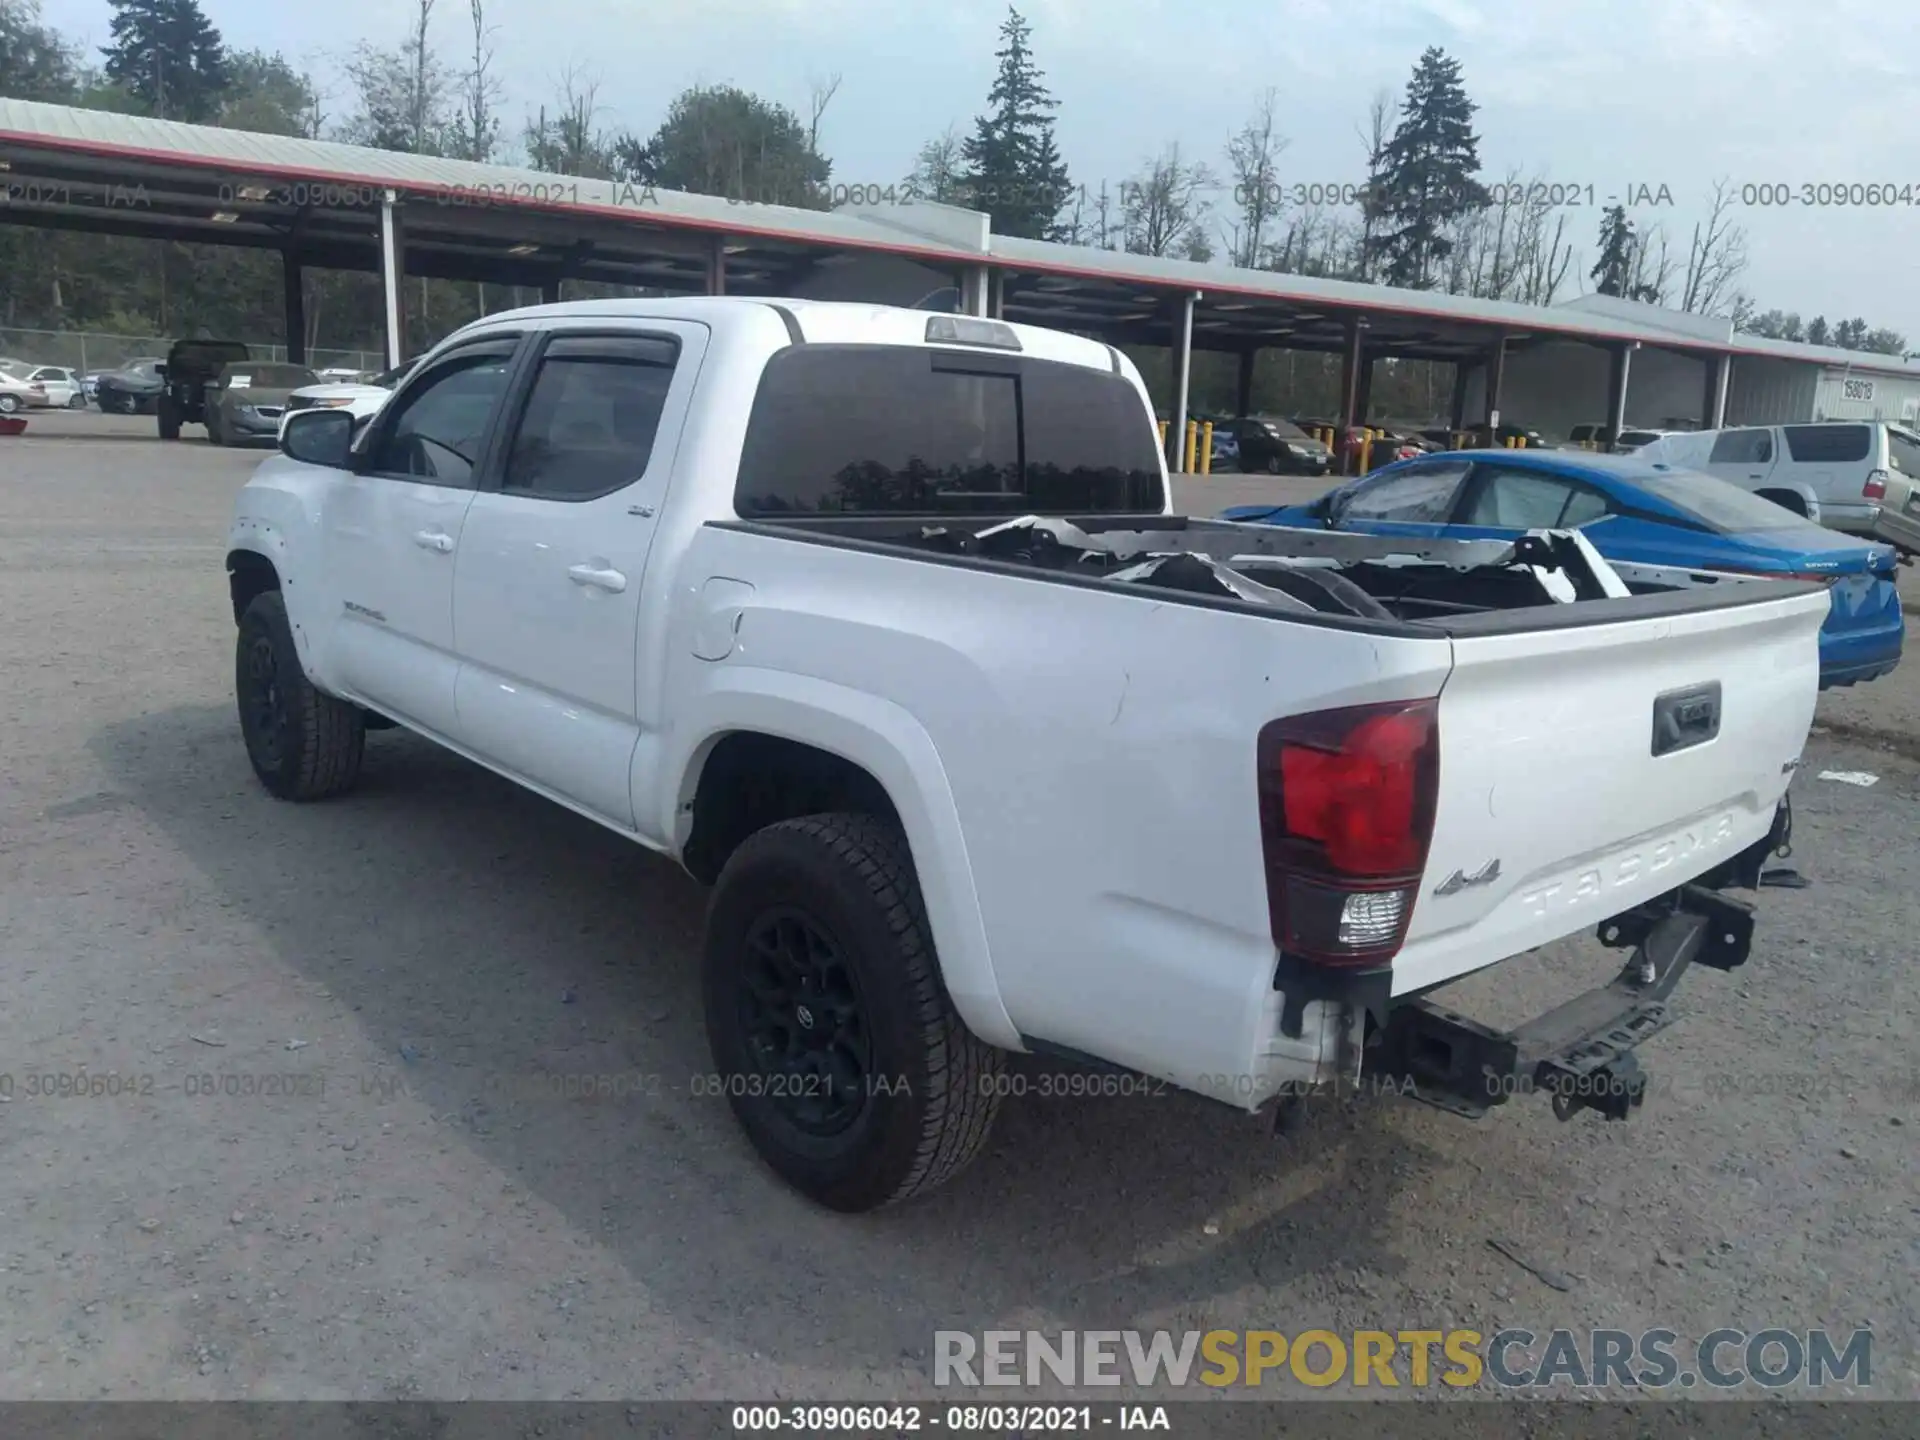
(415, 1214)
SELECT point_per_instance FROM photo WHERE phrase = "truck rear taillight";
(1876, 486)
(1346, 813)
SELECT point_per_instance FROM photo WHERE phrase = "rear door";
(1741, 457)
(1587, 768)
(546, 592)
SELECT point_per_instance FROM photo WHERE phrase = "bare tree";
(821, 96)
(1653, 267)
(1375, 137)
(1716, 257)
(1164, 203)
(477, 127)
(1253, 156)
(402, 93)
(571, 143)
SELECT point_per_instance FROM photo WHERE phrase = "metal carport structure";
(324, 204)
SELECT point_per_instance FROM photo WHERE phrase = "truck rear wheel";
(304, 745)
(833, 1037)
(168, 418)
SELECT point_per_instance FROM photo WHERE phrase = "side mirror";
(319, 437)
(161, 371)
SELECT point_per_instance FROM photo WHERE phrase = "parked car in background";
(338, 374)
(247, 399)
(15, 393)
(60, 387)
(1834, 473)
(132, 389)
(1279, 447)
(1667, 521)
(192, 367)
(1600, 437)
(362, 398)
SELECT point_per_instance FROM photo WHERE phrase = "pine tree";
(167, 53)
(1014, 170)
(1612, 274)
(1426, 183)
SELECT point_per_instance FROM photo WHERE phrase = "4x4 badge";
(1459, 880)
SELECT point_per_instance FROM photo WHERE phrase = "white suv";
(1834, 472)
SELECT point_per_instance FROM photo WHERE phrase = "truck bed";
(1386, 584)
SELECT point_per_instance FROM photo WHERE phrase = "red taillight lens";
(1876, 486)
(1346, 813)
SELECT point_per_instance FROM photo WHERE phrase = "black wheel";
(77, 400)
(1273, 464)
(168, 418)
(214, 437)
(304, 745)
(9, 404)
(832, 1034)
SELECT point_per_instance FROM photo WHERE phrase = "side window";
(590, 419)
(1828, 444)
(1584, 507)
(1418, 497)
(1518, 500)
(1742, 447)
(436, 432)
(1904, 452)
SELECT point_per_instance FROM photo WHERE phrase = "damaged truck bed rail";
(1304, 572)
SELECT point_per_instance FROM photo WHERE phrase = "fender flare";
(891, 745)
(253, 536)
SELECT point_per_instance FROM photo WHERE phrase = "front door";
(547, 586)
(393, 527)
(1417, 501)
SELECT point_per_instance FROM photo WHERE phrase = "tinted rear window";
(865, 429)
(1833, 444)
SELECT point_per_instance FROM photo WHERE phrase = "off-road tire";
(933, 1085)
(214, 437)
(167, 417)
(303, 744)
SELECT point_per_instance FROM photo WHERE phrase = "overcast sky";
(1612, 94)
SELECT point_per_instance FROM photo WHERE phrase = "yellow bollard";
(1163, 434)
(1187, 447)
(1206, 448)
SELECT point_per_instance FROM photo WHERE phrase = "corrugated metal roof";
(936, 233)
(100, 132)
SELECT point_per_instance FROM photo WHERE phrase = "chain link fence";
(91, 350)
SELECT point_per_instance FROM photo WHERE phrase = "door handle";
(433, 540)
(611, 580)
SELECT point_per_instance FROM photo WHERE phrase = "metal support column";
(1719, 379)
(550, 290)
(1243, 396)
(1363, 399)
(996, 294)
(973, 291)
(1182, 377)
(1496, 372)
(393, 257)
(1458, 416)
(1617, 389)
(717, 266)
(293, 286)
(1350, 365)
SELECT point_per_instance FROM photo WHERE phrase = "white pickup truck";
(881, 623)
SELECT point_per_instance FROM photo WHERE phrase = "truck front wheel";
(833, 1037)
(304, 745)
